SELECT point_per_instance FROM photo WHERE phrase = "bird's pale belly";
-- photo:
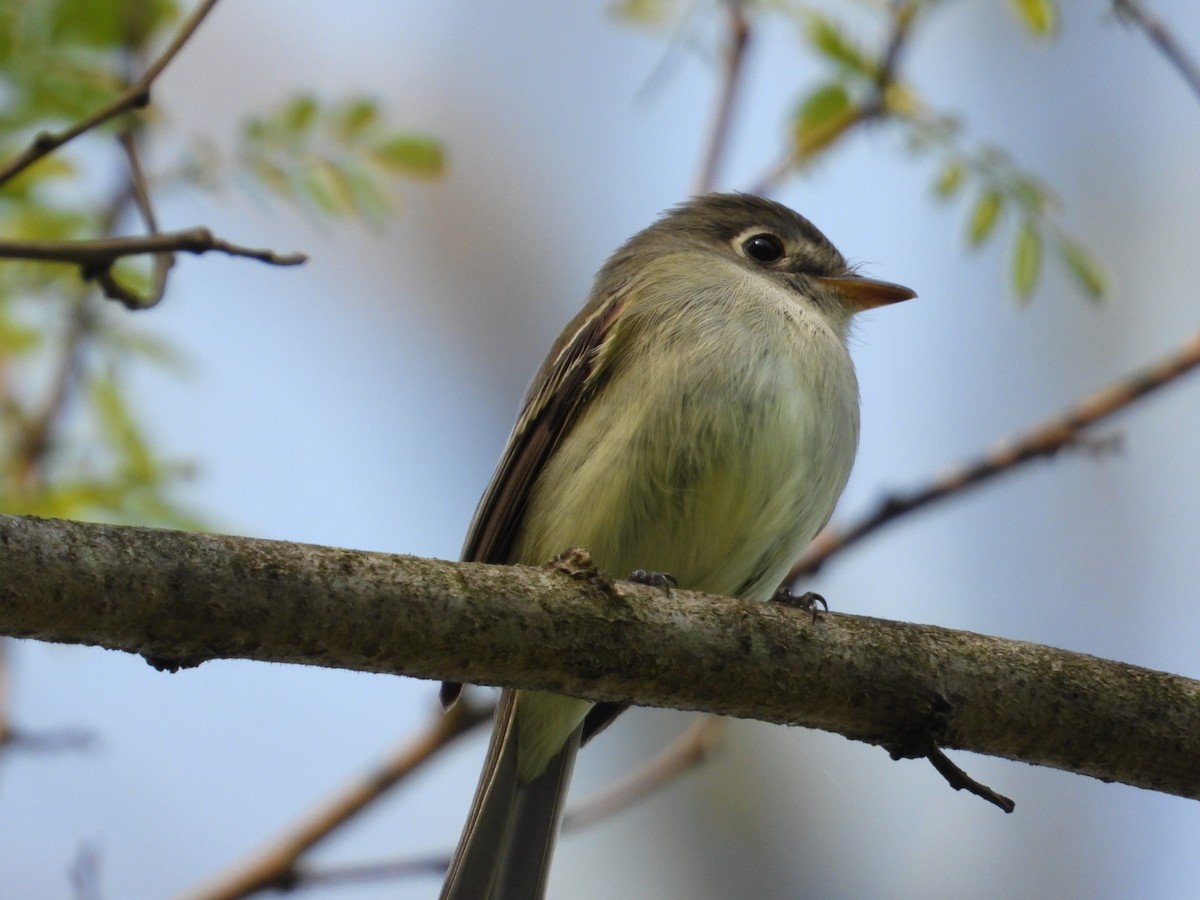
(719, 486)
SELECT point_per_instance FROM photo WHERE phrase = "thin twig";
(370, 873)
(135, 96)
(902, 15)
(52, 741)
(37, 429)
(683, 754)
(15, 738)
(1044, 440)
(105, 251)
(276, 865)
(961, 781)
(1163, 39)
(85, 874)
(687, 751)
(920, 741)
(162, 261)
(737, 39)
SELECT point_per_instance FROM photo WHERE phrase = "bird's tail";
(506, 845)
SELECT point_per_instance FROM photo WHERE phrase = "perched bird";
(697, 418)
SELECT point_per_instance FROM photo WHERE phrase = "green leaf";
(415, 155)
(1033, 196)
(23, 188)
(62, 501)
(924, 135)
(315, 184)
(646, 12)
(821, 119)
(984, 216)
(1027, 259)
(831, 41)
(35, 221)
(66, 92)
(368, 197)
(825, 104)
(1040, 17)
(134, 274)
(950, 178)
(335, 159)
(1087, 270)
(255, 130)
(17, 339)
(355, 118)
(273, 177)
(112, 25)
(299, 115)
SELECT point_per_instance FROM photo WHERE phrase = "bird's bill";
(867, 293)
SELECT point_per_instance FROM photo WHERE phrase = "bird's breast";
(713, 450)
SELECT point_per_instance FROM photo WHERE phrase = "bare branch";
(85, 874)
(1163, 39)
(902, 16)
(135, 96)
(98, 255)
(12, 737)
(73, 739)
(181, 598)
(1044, 440)
(369, 873)
(278, 864)
(163, 262)
(960, 780)
(683, 754)
(38, 429)
(737, 39)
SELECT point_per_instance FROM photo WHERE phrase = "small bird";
(697, 418)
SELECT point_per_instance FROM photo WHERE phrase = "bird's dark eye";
(764, 248)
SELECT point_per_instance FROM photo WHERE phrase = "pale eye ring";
(763, 247)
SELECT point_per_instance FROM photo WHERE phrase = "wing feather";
(560, 392)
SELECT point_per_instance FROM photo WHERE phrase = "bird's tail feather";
(505, 850)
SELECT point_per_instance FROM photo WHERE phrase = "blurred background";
(362, 400)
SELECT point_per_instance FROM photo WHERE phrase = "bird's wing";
(560, 391)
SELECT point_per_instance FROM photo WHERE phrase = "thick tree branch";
(179, 599)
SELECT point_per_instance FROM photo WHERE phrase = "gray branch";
(179, 599)
(103, 252)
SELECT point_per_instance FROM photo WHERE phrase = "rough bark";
(180, 598)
